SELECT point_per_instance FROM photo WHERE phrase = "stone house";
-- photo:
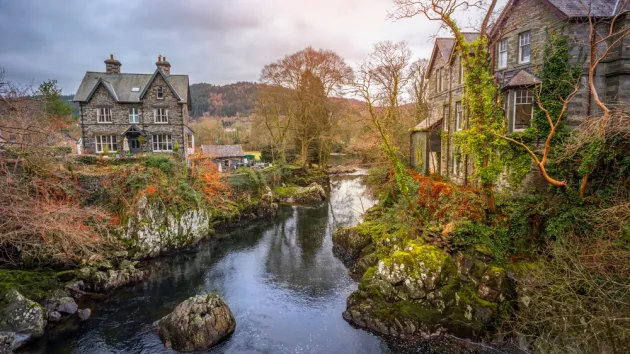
(141, 112)
(518, 38)
(227, 157)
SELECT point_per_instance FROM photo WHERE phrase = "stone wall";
(177, 116)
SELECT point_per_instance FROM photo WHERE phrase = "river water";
(286, 289)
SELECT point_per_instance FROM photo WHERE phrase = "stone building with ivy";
(517, 42)
(137, 112)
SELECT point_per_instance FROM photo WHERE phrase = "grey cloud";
(214, 41)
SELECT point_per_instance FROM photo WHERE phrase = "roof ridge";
(106, 73)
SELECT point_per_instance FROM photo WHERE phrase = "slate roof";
(576, 8)
(427, 124)
(120, 85)
(445, 46)
(522, 78)
(221, 151)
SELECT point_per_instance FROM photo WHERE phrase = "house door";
(134, 145)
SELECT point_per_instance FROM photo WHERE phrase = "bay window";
(523, 110)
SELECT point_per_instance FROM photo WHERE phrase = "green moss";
(34, 284)
(285, 192)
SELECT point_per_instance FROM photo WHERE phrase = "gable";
(102, 88)
(159, 79)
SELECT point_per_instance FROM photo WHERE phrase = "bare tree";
(276, 107)
(326, 67)
(381, 80)
(419, 88)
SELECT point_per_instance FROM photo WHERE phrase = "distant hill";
(223, 101)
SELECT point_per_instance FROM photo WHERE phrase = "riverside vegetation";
(80, 226)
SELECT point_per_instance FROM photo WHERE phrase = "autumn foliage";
(206, 175)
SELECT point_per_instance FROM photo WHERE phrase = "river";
(285, 287)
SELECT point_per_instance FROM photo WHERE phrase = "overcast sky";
(214, 41)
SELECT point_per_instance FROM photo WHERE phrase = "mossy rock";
(33, 284)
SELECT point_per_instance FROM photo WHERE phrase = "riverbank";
(157, 208)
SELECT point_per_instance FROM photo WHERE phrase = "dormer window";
(524, 47)
(160, 92)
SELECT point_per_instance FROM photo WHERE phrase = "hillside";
(222, 101)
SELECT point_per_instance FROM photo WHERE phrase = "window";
(159, 92)
(445, 115)
(104, 115)
(442, 80)
(439, 80)
(226, 163)
(135, 89)
(162, 142)
(524, 47)
(503, 53)
(461, 70)
(13, 138)
(160, 115)
(523, 109)
(190, 141)
(106, 142)
(133, 115)
(458, 116)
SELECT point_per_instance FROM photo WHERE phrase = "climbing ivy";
(481, 101)
(557, 81)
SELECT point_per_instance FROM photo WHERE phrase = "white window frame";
(503, 53)
(159, 92)
(518, 96)
(524, 40)
(162, 142)
(110, 140)
(459, 116)
(160, 116)
(104, 115)
(134, 115)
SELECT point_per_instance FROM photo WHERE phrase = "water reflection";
(279, 277)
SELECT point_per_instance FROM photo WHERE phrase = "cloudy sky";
(214, 41)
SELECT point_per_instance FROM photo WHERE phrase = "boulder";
(64, 304)
(84, 314)
(313, 194)
(54, 316)
(21, 319)
(198, 323)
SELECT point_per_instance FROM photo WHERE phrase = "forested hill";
(223, 101)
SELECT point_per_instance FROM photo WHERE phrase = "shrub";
(163, 162)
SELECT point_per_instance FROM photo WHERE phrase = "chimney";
(163, 65)
(112, 66)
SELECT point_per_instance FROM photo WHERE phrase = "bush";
(163, 162)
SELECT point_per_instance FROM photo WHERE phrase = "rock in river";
(20, 320)
(196, 324)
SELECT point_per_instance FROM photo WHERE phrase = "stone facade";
(520, 21)
(119, 94)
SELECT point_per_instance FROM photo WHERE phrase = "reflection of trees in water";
(349, 199)
(296, 259)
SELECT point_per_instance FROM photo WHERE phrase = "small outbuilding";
(227, 157)
(426, 145)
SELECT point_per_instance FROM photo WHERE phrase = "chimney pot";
(163, 65)
(112, 66)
